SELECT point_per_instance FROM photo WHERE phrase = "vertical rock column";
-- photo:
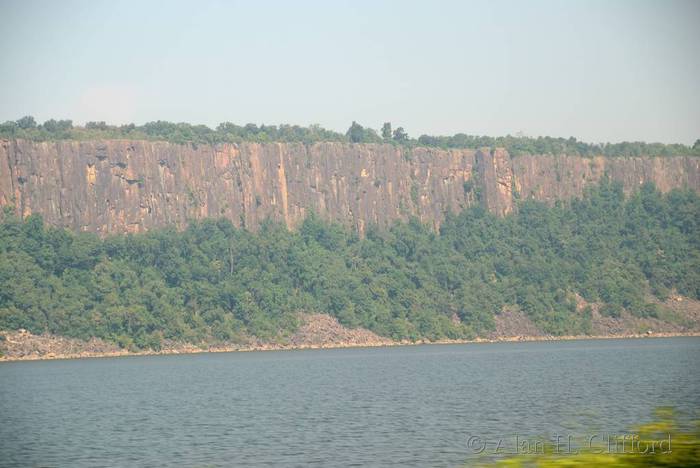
(496, 178)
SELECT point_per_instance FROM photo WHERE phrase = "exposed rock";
(321, 330)
(496, 177)
(627, 324)
(23, 345)
(511, 323)
(678, 315)
(118, 186)
(315, 331)
(685, 308)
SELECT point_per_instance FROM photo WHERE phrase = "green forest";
(227, 132)
(214, 282)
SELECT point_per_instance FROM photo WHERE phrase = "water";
(406, 406)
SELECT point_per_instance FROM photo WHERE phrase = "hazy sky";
(598, 70)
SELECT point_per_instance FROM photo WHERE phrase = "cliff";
(118, 186)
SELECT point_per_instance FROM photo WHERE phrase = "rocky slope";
(315, 331)
(318, 331)
(120, 186)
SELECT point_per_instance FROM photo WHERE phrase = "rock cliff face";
(131, 186)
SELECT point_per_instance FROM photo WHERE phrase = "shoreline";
(191, 349)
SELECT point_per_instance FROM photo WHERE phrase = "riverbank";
(322, 331)
(192, 349)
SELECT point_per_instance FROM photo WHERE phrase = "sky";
(609, 70)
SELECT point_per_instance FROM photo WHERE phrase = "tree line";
(214, 282)
(227, 132)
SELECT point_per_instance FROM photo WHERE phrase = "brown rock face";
(120, 186)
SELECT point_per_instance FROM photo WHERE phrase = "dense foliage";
(216, 282)
(184, 133)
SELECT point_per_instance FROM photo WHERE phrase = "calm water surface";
(407, 406)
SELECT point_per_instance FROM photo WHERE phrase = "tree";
(356, 132)
(53, 125)
(400, 135)
(101, 125)
(26, 122)
(8, 128)
(213, 281)
(386, 131)
(227, 132)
